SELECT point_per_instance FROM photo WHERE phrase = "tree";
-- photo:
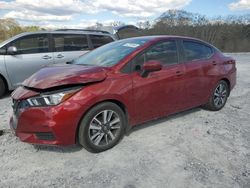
(9, 28)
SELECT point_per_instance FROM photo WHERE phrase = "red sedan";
(98, 97)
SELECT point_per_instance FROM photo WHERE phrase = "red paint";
(64, 75)
(20, 93)
(172, 89)
(152, 66)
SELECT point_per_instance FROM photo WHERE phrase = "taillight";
(229, 62)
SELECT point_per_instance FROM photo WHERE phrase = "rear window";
(70, 42)
(100, 40)
(196, 51)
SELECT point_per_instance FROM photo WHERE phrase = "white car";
(26, 53)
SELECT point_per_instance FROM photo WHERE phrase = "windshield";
(110, 54)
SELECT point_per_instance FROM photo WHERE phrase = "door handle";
(46, 57)
(59, 56)
(214, 63)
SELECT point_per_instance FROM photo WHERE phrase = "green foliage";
(229, 34)
(9, 28)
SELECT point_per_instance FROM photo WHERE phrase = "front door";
(32, 55)
(161, 92)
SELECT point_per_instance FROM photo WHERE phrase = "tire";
(218, 97)
(2, 88)
(97, 133)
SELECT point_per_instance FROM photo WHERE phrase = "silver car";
(24, 54)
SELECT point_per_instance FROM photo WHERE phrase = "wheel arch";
(228, 83)
(5, 81)
(115, 101)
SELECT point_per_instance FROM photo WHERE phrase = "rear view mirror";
(150, 66)
(12, 50)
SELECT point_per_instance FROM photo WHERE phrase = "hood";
(54, 76)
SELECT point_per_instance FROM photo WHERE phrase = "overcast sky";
(84, 13)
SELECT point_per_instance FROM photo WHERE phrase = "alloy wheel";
(220, 95)
(104, 128)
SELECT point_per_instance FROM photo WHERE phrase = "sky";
(85, 13)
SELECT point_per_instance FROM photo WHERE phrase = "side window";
(165, 52)
(196, 51)
(70, 42)
(100, 40)
(32, 44)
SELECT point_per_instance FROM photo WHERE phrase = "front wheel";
(219, 96)
(102, 127)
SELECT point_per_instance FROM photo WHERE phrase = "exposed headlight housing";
(52, 98)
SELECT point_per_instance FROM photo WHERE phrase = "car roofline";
(162, 37)
(56, 32)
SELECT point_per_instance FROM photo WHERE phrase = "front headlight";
(51, 99)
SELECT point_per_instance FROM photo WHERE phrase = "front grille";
(45, 136)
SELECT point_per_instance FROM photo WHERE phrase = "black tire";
(2, 88)
(221, 99)
(107, 141)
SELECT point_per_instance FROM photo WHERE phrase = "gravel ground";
(196, 148)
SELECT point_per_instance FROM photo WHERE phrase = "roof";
(70, 31)
(159, 37)
(166, 36)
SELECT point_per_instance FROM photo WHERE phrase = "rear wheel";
(219, 96)
(102, 127)
(2, 87)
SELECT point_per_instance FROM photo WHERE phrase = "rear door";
(67, 47)
(199, 65)
(161, 92)
(33, 53)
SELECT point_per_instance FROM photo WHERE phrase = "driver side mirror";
(12, 50)
(150, 66)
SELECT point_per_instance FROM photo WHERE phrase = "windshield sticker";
(131, 45)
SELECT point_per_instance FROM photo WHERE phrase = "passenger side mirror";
(12, 50)
(150, 66)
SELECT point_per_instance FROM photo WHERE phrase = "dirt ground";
(196, 148)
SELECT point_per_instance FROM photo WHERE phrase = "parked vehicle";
(104, 93)
(24, 54)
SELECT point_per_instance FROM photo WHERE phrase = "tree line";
(229, 34)
(9, 28)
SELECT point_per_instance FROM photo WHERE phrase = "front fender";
(4, 74)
